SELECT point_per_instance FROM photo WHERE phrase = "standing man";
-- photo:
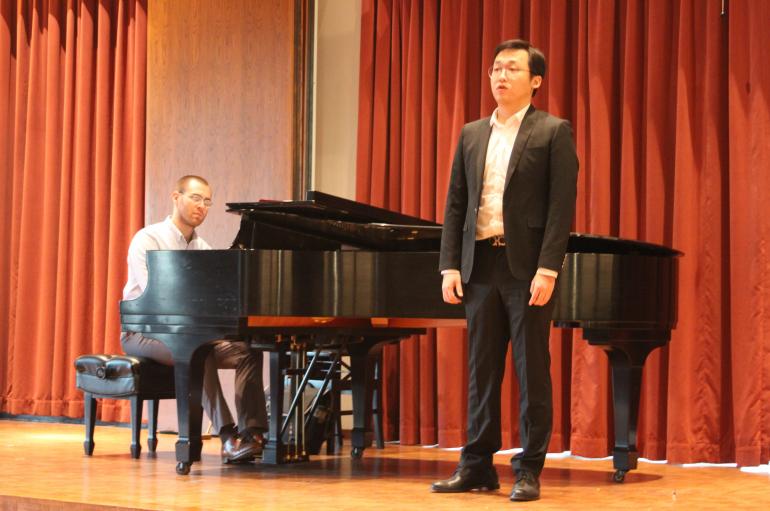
(509, 209)
(192, 199)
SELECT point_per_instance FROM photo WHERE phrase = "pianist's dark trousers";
(249, 394)
(496, 307)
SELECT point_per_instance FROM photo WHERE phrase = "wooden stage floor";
(42, 467)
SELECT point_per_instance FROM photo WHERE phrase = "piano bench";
(124, 377)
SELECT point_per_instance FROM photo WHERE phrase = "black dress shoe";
(467, 479)
(527, 486)
(240, 450)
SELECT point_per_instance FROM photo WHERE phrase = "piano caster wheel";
(182, 468)
(357, 453)
(619, 476)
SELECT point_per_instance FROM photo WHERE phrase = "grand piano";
(329, 273)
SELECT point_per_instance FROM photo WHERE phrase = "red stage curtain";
(72, 110)
(670, 105)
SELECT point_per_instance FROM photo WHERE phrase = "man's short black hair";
(536, 57)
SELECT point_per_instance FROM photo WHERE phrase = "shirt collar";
(515, 119)
(176, 230)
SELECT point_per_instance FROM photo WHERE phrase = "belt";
(495, 241)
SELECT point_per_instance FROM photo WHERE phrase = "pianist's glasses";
(197, 199)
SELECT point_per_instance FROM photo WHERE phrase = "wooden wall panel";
(220, 103)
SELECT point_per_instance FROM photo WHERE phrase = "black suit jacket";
(538, 200)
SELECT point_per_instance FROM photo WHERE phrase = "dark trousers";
(249, 394)
(496, 307)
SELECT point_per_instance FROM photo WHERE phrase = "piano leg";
(627, 359)
(362, 362)
(626, 392)
(275, 451)
(189, 354)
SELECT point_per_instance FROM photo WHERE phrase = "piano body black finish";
(328, 272)
(291, 300)
(623, 294)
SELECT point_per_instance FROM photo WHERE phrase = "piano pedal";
(295, 456)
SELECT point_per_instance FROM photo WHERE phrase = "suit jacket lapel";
(482, 142)
(527, 125)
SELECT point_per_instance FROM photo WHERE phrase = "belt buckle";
(497, 241)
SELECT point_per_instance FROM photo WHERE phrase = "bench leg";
(89, 419)
(152, 425)
(136, 426)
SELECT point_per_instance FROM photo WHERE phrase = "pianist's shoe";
(467, 479)
(527, 486)
(241, 449)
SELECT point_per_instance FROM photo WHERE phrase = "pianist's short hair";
(181, 184)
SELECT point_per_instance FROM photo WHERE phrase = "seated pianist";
(191, 199)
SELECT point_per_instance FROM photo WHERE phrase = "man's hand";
(452, 288)
(541, 289)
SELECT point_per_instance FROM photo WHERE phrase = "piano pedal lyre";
(296, 448)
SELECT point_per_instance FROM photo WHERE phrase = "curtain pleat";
(72, 114)
(670, 102)
(747, 360)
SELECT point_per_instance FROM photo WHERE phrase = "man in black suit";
(509, 208)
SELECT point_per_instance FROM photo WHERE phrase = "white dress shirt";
(490, 218)
(161, 236)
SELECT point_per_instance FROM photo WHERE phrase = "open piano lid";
(326, 222)
(323, 206)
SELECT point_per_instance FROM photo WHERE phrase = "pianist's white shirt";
(161, 236)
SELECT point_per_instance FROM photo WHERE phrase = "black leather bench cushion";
(123, 376)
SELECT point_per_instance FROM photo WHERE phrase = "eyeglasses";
(495, 71)
(198, 199)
